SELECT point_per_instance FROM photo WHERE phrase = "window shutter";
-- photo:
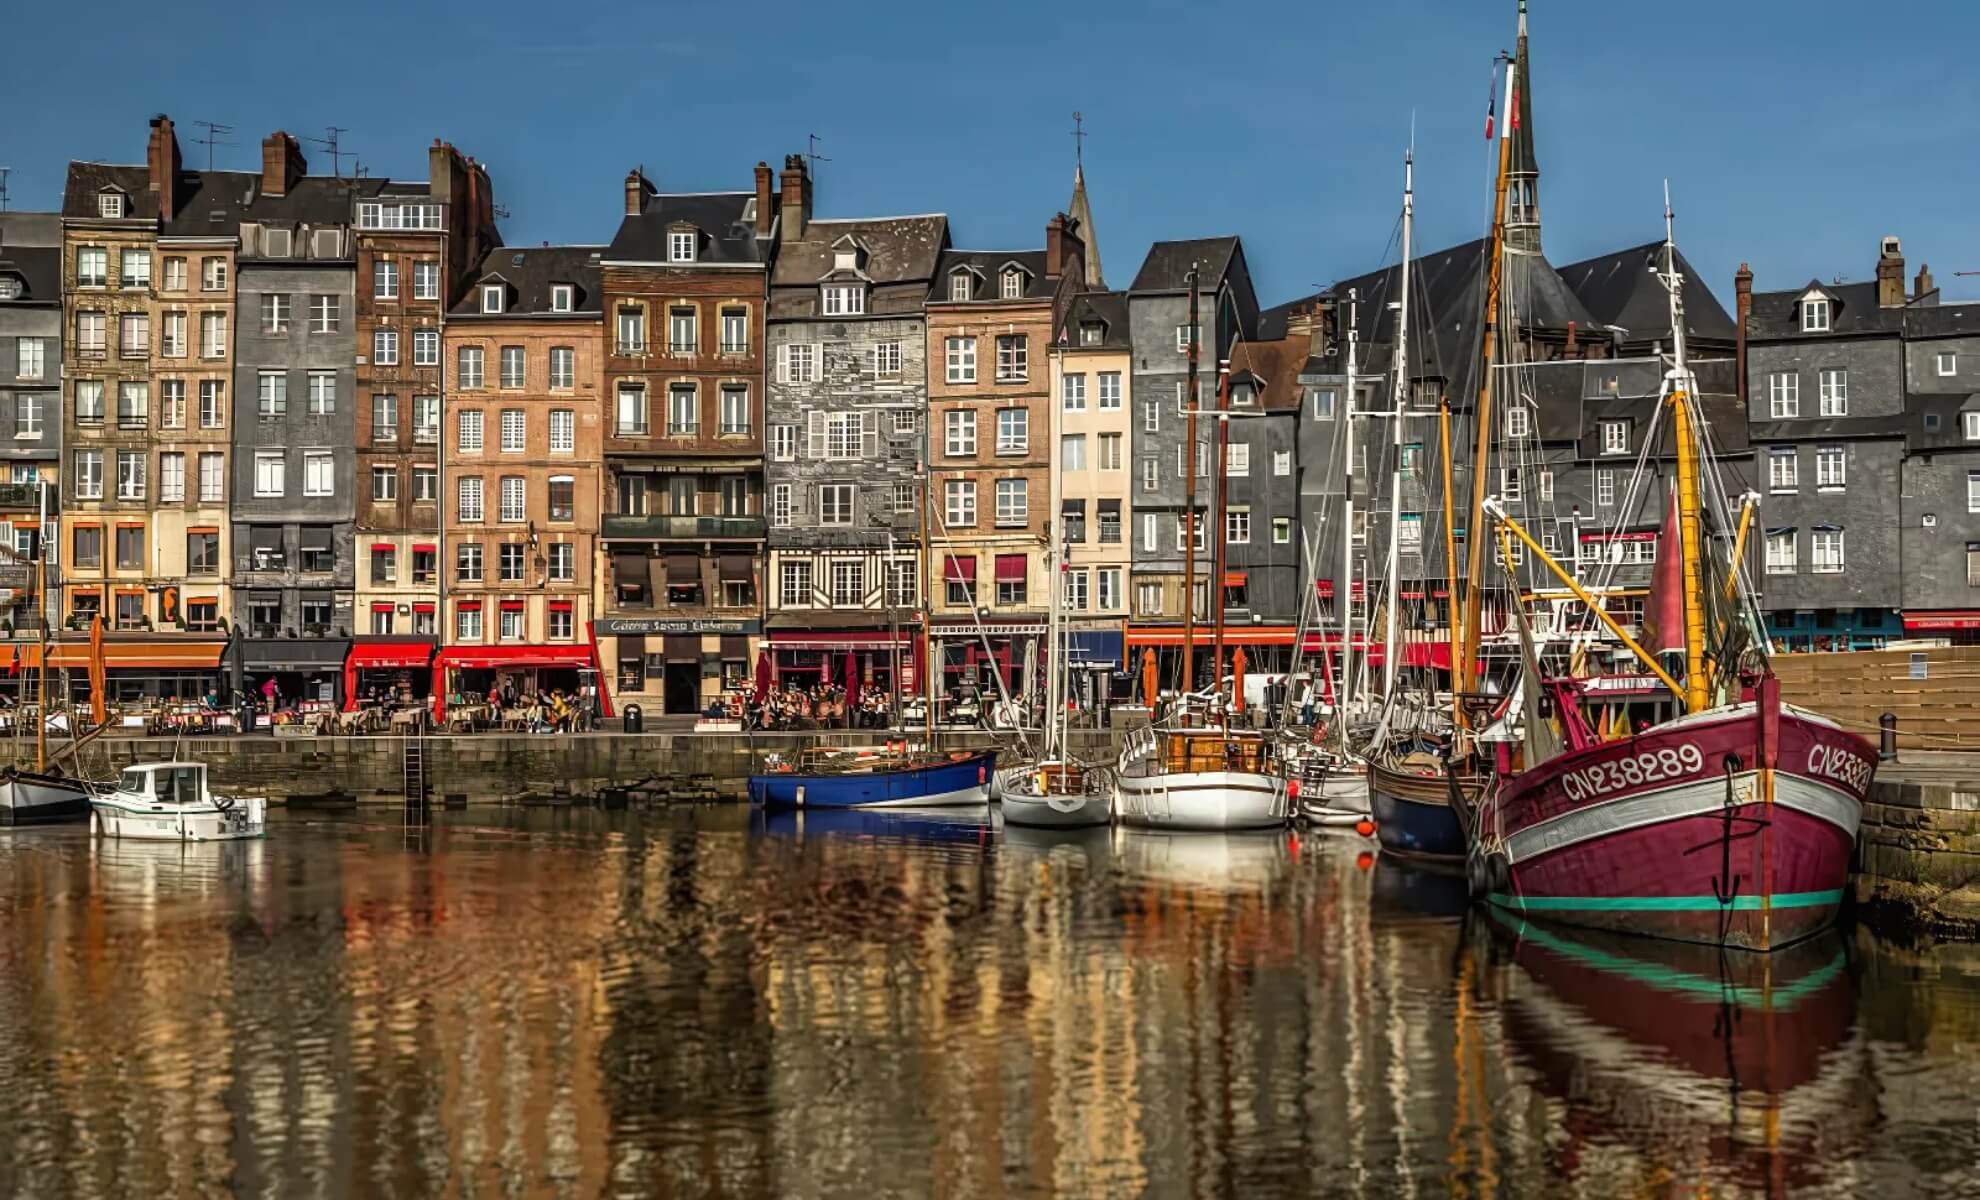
(870, 435)
(814, 435)
(817, 362)
(783, 364)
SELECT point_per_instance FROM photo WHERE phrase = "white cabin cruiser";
(170, 802)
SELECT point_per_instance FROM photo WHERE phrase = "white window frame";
(959, 427)
(563, 431)
(470, 368)
(493, 297)
(1784, 395)
(1783, 469)
(385, 347)
(1014, 434)
(780, 505)
(1828, 555)
(1615, 437)
(838, 503)
(1946, 363)
(468, 499)
(1780, 553)
(1815, 315)
(513, 427)
(512, 499)
(1072, 393)
(1013, 502)
(384, 279)
(322, 393)
(960, 359)
(1072, 452)
(959, 503)
(1110, 391)
(326, 313)
(1519, 421)
(512, 366)
(1973, 491)
(563, 297)
(469, 427)
(1831, 469)
(1834, 385)
(1605, 486)
(271, 473)
(1970, 423)
(842, 300)
(1013, 358)
(319, 473)
(1237, 525)
(426, 279)
(681, 245)
(212, 477)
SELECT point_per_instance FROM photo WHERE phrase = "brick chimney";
(1064, 249)
(766, 216)
(637, 190)
(162, 165)
(1922, 286)
(1890, 274)
(794, 206)
(282, 164)
(1742, 307)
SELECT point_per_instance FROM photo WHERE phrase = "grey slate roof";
(30, 229)
(1949, 408)
(725, 220)
(988, 266)
(40, 271)
(1855, 312)
(1166, 269)
(1107, 308)
(901, 256)
(529, 274)
(1942, 320)
(86, 179)
(1620, 289)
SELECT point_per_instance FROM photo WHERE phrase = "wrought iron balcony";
(661, 527)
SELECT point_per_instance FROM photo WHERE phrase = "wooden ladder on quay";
(417, 787)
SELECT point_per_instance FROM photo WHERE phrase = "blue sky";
(1795, 134)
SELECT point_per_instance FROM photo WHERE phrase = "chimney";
(282, 164)
(1742, 308)
(1064, 251)
(766, 216)
(162, 165)
(637, 189)
(1922, 286)
(1572, 340)
(442, 164)
(794, 208)
(1890, 274)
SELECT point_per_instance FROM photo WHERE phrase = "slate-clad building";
(1939, 517)
(685, 282)
(30, 406)
(848, 398)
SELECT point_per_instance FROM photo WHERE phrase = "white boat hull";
(29, 799)
(1055, 812)
(1340, 798)
(144, 820)
(1202, 800)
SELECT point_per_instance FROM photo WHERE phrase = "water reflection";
(571, 1002)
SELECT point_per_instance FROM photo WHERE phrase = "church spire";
(1081, 211)
(1523, 174)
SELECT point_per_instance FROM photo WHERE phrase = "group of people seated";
(819, 707)
(539, 712)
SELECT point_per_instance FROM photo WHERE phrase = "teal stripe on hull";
(1662, 903)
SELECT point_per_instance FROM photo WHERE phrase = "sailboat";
(45, 795)
(1191, 768)
(1732, 823)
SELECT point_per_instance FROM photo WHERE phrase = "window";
(902, 498)
(835, 503)
(681, 334)
(783, 443)
(562, 495)
(1013, 431)
(212, 411)
(130, 610)
(563, 431)
(1110, 451)
(959, 434)
(735, 331)
(1151, 473)
(384, 279)
(1237, 526)
(212, 478)
(1973, 491)
(1323, 404)
(1012, 286)
(848, 582)
(426, 490)
(1827, 551)
(171, 336)
(175, 274)
(29, 358)
(680, 245)
(1615, 437)
(1829, 468)
(467, 621)
(1151, 532)
(514, 367)
(384, 418)
(1814, 319)
(1784, 395)
(1012, 582)
(426, 280)
(960, 354)
(1013, 355)
(467, 562)
(1970, 421)
(1509, 484)
(515, 429)
(1946, 363)
(136, 269)
(1605, 486)
(1834, 383)
(795, 582)
(172, 477)
(203, 552)
(319, 473)
(563, 367)
(632, 495)
(514, 503)
(270, 473)
(799, 363)
(426, 347)
(632, 411)
(780, 505)
(134, 335)
(130, 474)
(1519, 422)
(1110, 390)
(959, 503)
(27, 415)
(842, 300)
(1282, 529)
(1072, 452)
(960, 286)
(172, 404)
(322, 393)
(1183, 339)
(1151, 416)
(562, 566)
(385, 347)
(1072, 393)
(130, 547)
(1547, 486)
(734, 414)
(683, 412)
(467, 368)
(903, 585)
(426, 419)
(887, 358)
(110, 204)
(467, 500)
(274, 313)
(1780, 552)
(213, 335)
(92, 331)
(468, 431)
(92, 266)
(905, 422)
(1148, 599)
(384, 483)
(632, 330)
(1012, 507)
(325, 313)
(509, 562)
(1109, 579)
(1193, 531)
(494, 297)
(88, 551)
(1110, 522)
(133, 405)
(1237, 458)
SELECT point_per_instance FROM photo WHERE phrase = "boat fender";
(1487, 873)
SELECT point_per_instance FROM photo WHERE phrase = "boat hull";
(1684, 832)
(141, 820)
(1202, 800)
(954, 782)
(1055, 812)
(1334, 798)
(1413, 813)
(30, 798)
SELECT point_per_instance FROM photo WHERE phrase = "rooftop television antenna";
(213, 131)
(329, 142)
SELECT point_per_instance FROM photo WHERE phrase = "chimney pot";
(766, 214)
(794, 202)
(636, 187)
(1890, 273)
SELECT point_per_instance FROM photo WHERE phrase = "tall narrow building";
(30, 406)
(1092, 367)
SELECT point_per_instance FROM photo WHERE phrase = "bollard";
(1887, 736)
(635, 719)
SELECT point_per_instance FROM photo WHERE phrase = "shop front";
(677, 665)
(1958, 626)
(468, 675)
(308, 672)
(982, 663)
(393, 671)
(883, 659)
(1096, 667)
(140, 673)
(1268, 650)
(1826, 630)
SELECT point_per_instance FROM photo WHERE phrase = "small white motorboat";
(170, 802)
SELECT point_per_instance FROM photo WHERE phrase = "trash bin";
(246, 716)
(635, 719)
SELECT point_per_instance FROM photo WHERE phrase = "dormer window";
(110, 204)
(1815, 315)
(680, 245)
(1013, 285)
(563, 297)
(10, 287)
(845, 258)
(276, 243)
(491, 298)
(1243, 395)
(842, 300)
(959, 288)
(1092, 333)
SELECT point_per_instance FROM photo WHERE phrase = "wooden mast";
(1220, 556)
(1464, 646)
(1189, 508)
(929, 667)
(1691, 528)
(41, 603)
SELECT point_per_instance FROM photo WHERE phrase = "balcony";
(655, 528)
(27, 496)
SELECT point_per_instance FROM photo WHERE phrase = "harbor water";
(697, 1003)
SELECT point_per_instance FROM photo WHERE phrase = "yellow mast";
(1691, 529)
(1450, 529)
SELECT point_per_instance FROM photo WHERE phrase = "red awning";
(1953, 619)
(840, 639)
(1234, 579)
(1010, 568)
(959, 570)
(1326, 587)
(365, 655)
(428, 547)
(489, 657)
(1206, 635)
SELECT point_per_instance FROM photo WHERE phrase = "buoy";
(1364, 860)
(1292, 789)
(1365, 827)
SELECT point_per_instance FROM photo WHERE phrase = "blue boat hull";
(1425, 828)
(962, 781)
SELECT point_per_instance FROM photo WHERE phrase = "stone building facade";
(30, 408)
(1092, 376)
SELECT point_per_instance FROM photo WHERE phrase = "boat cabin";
(1215, 750)
(165, 782)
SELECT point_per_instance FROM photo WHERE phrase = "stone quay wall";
(1918, 858)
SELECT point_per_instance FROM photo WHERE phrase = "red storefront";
(397, 663)
(804, 658)
(473, 670)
